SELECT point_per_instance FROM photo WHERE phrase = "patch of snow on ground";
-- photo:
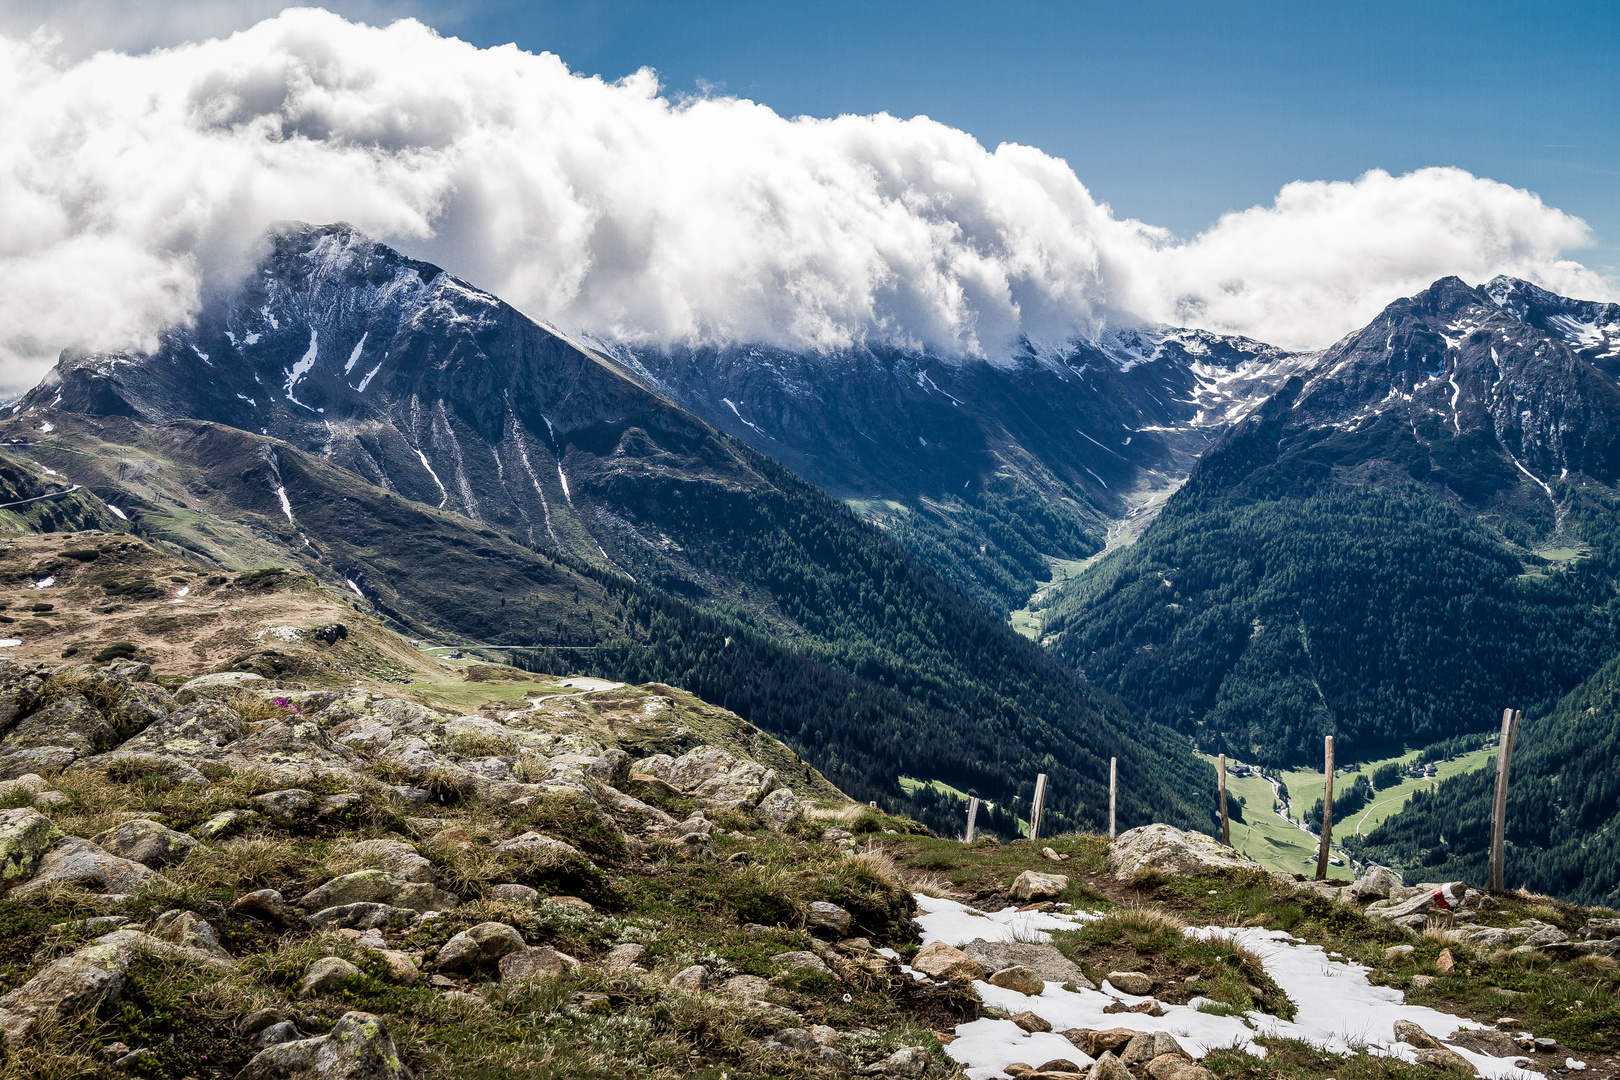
(286, 507)
(354, 357)
(1339, 1011)
(365, 382)
(46, 427)
(121, 515)
(6, 643)
(355, 587)
(284, 634)
(43, 583)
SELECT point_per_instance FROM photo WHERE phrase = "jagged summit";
(1591, 328)
(1457, 363)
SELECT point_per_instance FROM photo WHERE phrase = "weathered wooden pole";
(1504, 759)
(1036, 805)
(1113, 793)
(1226, 827)
(973, 814)
(1327, 817)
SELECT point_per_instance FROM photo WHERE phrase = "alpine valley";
(1217, 545)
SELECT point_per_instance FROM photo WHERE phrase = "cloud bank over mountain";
(130, 184)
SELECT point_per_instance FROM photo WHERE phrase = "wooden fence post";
(973, 814)
(1113, 792)
(1035, 807)
(1226, 828)
(1327, 817)
(1504, 759)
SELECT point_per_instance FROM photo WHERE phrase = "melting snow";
(120, 513)
(1339, 1011)
(43, 583)
(445, 494)
(286, 507)
(372, 374)
(249, 400)
(46, 427)
(734, 411)
(202, 356)
(6, 643)
(355, 587)
(300, 369)
(354, 357)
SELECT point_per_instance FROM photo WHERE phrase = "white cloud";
(127, 183)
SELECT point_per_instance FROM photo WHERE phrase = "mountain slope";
(577, 508)
(1359, 556)
(1563, 825)
(984, 470)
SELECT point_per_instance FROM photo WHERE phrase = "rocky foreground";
(226, 876)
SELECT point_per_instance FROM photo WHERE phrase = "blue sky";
(1173, 112)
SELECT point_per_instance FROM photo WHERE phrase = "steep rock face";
(1453, 363)
(414, 380)
(1590, 328)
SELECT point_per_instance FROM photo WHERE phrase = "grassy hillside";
(891, 673)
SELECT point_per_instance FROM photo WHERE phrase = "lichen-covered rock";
(1032, 886)
(518, 894)
(534, 843)
(83, 863)
(1375, 883)
(714, 774)
(541, 962)
(146, 842)
(73, 723)
(358, 1048)
(377, 887)
(267, 905)
(25, 836)
(1044, 960)
(779, 809)
(298, 741)
(141, 705)
(67, 987)
(908, 1062)
(938, 960)
(224, 823)
(328, 974)
(134, 941)
(1018, 978)
(201, 730)
(395, 856)
(626, 958)
(744, 987)
(479, 946)
(284, 804)
(692, 979)
(187, 928)
(18, 698)
(1130, 982)
(147, 766)
(220, 686)
(612, 768)
(821, 915)
(1167, 850)
(362, 916)
(801, 960)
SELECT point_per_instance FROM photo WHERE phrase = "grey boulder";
(358, 1048)
(146, 842)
